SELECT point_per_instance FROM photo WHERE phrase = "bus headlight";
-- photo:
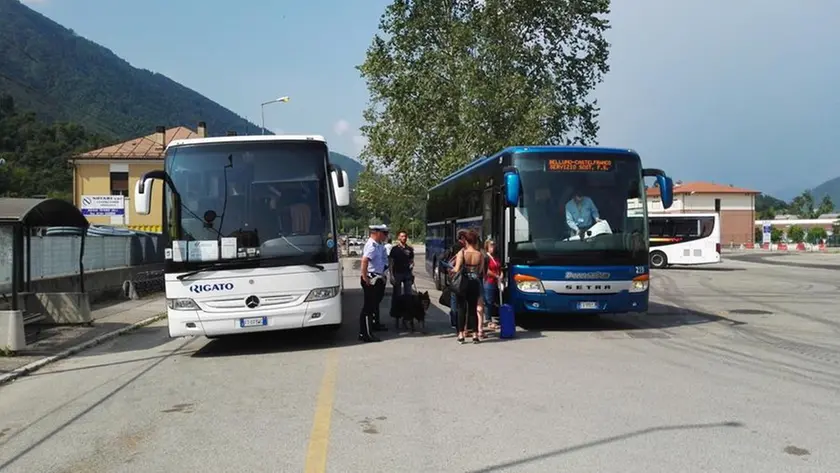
(640, 283)
(529, 284)
(321, 293)
(181, 304)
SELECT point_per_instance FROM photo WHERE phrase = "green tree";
(775, 235)
(766, 214)
(384, 199)
(450, 81)
(796, 234)
(816, 234)
(826, 206)
(803, 205)
(767, 207)
(35, 154)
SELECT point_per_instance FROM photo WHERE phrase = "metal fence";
(58, 255)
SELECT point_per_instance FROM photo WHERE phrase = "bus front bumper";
(556, 303)
(192, 322)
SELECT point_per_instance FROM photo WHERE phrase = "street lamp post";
(262, 109)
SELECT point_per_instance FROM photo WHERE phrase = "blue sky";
(736, 92)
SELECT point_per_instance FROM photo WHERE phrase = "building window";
(119, 183)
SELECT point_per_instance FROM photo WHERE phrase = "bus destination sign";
(579, 165)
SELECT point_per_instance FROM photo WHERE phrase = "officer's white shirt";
(376, 255)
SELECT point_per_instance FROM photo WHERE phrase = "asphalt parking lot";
(735, 368)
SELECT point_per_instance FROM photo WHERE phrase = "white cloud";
(341, 127)
(359, 142)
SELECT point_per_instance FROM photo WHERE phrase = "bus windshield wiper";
(235, 262)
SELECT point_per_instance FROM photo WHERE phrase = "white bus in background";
(684, 239)
(250, 239)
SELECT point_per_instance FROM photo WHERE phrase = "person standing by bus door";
(447, 262)
(401, 263)
(373, 265)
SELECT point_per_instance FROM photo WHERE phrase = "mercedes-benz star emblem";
(252, 301)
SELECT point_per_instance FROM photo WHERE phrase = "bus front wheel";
(658, 260)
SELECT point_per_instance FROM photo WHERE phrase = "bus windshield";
(273, 197)
(565, 194)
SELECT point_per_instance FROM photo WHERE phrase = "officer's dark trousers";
(369, 316)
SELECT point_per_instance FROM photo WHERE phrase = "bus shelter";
(21, 216)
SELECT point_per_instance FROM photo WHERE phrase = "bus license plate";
(253, 322)
(587, 305)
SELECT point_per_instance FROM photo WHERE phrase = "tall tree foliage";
(35, 155)
(804, 206)
(384, 200)
(453, 80)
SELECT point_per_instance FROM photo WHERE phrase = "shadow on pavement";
(659, 316)
(438, 324)
(723, 269)
(143, 338)
(773, 259)
(315, 338)
(606, 441)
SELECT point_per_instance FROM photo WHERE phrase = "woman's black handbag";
(446, 297)
(458, 282)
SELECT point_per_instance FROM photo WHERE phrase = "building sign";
(103, 205)
(767, 232)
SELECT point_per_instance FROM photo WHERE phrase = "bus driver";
(581, 213)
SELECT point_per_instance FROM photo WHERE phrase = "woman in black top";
(472, 261)
(446, 263)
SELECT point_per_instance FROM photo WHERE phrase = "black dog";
(410, 307)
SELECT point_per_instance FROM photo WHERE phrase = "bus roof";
(477, 163)
(245, 139)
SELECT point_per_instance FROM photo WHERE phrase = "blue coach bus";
(519, 196)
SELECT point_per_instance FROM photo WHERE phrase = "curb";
(36, 365)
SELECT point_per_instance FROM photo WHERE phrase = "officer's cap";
(379, 228)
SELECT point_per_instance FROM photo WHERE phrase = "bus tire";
(658, 260)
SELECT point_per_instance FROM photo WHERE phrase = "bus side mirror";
(143, 196)
(512, 186)
(666, 190)
(341, 186)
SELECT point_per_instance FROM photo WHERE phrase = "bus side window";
(686, 227)
(487, 213)
(657, 227)
(707, 226)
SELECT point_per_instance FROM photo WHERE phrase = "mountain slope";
(765, 202)
(350, 165)
(830, 188)
(60, 76)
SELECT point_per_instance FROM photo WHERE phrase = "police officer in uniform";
(374, 262)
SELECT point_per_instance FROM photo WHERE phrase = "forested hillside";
(34, 154)
(61, 93)
(830, 188)
(60, 76)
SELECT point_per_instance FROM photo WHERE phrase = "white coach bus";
(249, 227)
(684, 239)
